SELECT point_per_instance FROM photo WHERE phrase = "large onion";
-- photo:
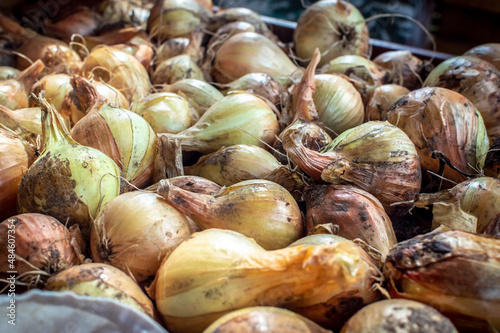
(441, 120)
(135, 231)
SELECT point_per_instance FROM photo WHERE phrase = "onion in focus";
(382, 99)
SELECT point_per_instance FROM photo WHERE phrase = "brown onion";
(404, 68)
(82, 21)
(382, 99)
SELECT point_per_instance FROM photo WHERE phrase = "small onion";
(398, 315)
(135, 231)
(166, 112)
(257, 83)
(404, 68)
(475, 79)
(41, 243)
(438, 119)
(489, 52)
(122, 135)
(336, 27)
(101, 280)
(14, 92)
(175, 69)
(260, 209)
(382, 99)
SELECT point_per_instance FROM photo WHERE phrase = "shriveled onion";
(382, 99)
(14, 92)
(135, 231)
(16, 156)
(404, 68)
(336, 27)
(475, 79)
(258, 83)
(122, 135)
(489, 52)
(441, 120)
(67, 181)
(257, 208)
(102, 280)
(175, 69)
(392, 315)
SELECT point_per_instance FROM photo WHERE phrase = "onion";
(200, 94)
(250, 52)
(42, 246)
(111, 95)
(382, 99)
(16, 156)
(441, 120)
(67, 181)
(260, 84)
(428, 268)
(489, 52)
(336, 27)
(492, 161)
(375, 156)
(171, 48)
(392, 315)
(125, 137)
(175, 69)
(118, 69)
(475, 79)
(239, 118)
(82, 21)
(193, 184)
(264, 319)
(101, 280)
(14, 92)
(166, 112)
(357, 214)
(26, 123)
(218, 271)
(118, 11)
(469, 206)
(140, 49)
(7, 72)
(136, 231)
(404, 68)
(257, 208)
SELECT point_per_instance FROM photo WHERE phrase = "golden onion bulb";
(382, 99)
(135, 231)
(14, 92)
(443, 121)
(111, 95)
(175, 69)
(257, 83)
(7, 72)
(336, 27)
(125, 137)
(200, 94)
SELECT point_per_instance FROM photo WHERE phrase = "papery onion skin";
(175, 69)
(336, 27)
(40, 240)
(171, 48)
(125, 137)
(454, 271)
(475, 79)
(218, 271)
(438, 119)
(135, 231)
(111, 95)
(200, 94)
(386, 316)
(382, 99)
(102, 280)
(489, 52)
(257, 208)
(14, 92)
(405, 69)
(264, 319)
(260, 84)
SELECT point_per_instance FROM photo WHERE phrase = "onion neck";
(304, 106)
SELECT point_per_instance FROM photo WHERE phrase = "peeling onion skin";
(388, 316)
(404, 68)
(439, 119)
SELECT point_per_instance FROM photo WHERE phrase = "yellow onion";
(171, 48)
(336, 27)
(166, 112)
(14, 92)
(200, 94)
(489, 52)
(16, 156)
(122, 135)
(175, 69)
(257, 83)
(404, 68)
(468, 206)
(39, 246)
(118, 69)
(375, 156)
(68, 181)
(337, 102)
(102, 280)
(82, 21)
(218, 271)
(264, 319)
(118, 11)
(357, 214)
(27, 123)
(193, 184)
(441, 120)
(492, 161)
(382, 99)
(392, 315)
(239, 118)
(454, 271)
(111, 95)
(250, 52)
(475, 79)
(7, 72)
(258, 208)
(135, 231)
(176, 18)
(140, 49)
